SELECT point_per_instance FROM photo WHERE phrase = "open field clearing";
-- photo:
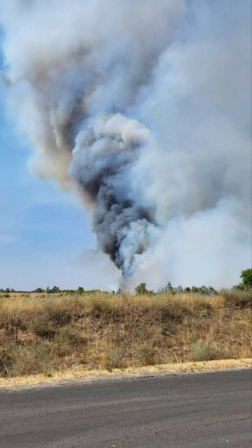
(53, 334)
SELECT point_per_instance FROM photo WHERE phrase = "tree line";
(245, 284)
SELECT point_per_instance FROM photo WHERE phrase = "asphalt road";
(189, 411)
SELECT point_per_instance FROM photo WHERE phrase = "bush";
(238, 298)
(201, 352)
(113, 359)
(141, 289)
(27, 360)
(146, 356)
(246, 277)
(46, 325)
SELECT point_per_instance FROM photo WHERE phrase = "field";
(41, 333)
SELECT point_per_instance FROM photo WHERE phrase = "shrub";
(202, 352)
(46, 325)
(238, 298)
(146, 356)
(168, 328)
(27, 360)
(141, 289)
(246, 277)
(113, 359)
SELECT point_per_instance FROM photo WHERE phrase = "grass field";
(52, 333)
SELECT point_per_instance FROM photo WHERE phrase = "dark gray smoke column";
(102, 158)
(142, 109)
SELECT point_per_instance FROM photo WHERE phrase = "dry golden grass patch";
(46, 334)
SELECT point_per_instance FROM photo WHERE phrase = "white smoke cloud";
(143, 109)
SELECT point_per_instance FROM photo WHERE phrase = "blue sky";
(42, 232)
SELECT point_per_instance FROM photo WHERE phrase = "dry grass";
(79, 374)
(49, 334)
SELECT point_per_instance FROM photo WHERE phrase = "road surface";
(182, 411)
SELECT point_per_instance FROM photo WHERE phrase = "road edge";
(80, 375)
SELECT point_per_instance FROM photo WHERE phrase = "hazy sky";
(42, 232)
(179, 117)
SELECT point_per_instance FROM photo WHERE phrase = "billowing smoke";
(142, 108)
(103, 158)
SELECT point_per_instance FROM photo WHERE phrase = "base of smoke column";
(80, 375)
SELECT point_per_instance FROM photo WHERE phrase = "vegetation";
(53, 329)
(246, 277)
(44, 333)
(141, 289)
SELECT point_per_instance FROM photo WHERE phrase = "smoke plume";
(142, 109)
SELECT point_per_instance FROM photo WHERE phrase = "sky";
(43, 233)
(147, 122)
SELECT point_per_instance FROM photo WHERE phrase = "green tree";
(80, 290)
(246, 277)
(169, 289)
(141, 289)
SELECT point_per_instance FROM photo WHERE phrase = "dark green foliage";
(246, 277)
(141, 289)
(54, 290)
(207, 291)
(39, 290)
